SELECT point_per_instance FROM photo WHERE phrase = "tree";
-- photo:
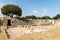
(46, 17)
(57, 16)
(29, 17)
(11, 10)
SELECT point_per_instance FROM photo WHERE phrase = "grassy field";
(52, 34)
(3, 36)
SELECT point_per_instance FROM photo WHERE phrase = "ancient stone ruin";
(7, 21)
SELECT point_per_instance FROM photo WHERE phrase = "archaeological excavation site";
(29, 20)
(40, 29)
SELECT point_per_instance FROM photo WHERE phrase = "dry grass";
(52, 34)
(3, 36)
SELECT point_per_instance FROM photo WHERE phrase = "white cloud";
(35, 11)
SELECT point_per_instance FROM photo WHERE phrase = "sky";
(35, 7)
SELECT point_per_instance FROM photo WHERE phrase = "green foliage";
(57, 16)
(46, 17)
(11, 10)
(29, 17)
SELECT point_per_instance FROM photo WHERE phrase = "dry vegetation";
(3, 35)
(51, 34)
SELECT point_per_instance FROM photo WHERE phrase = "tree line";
(11, 10)
(43, 17)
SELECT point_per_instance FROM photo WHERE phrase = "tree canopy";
(29, 17)
(57, 16)
(11, 10)
(46, 17)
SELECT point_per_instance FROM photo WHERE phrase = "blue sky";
(35, 7)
